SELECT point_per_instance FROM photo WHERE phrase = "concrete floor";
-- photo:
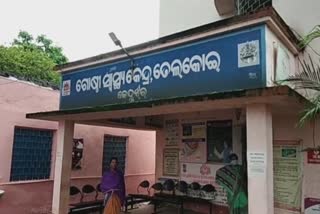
(148, 209)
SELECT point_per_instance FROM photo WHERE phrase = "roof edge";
(270, 91)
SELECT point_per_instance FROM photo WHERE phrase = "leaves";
(32, 59)
(315, 33)
(30, 65)
(308, 78)
(42, 44)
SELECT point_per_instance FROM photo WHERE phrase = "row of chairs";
(172, 186)
(172, 192)
(168, 191)
(85, 191)
(95, 204)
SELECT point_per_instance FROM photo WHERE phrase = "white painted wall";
(279, 60)
(300, 15)
(179, 15)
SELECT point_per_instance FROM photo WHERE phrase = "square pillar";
(62, 172)
(260, 159)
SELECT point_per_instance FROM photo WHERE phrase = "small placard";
(314, 156)
(171, 162)
(256, 163)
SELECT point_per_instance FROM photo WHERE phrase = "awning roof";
(223, 100)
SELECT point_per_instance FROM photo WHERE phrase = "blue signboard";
(229, 62)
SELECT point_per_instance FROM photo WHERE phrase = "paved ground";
(146, 209)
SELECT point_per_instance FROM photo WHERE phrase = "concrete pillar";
(62, 173)
(260, 159)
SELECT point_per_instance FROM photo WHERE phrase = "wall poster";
(256, 163)
(172, 132)
(77, 153)
(204, 174)
(194, 147)
(312, 205)
(171, 162)
(287, 163)
(314, 156)
(219, 141)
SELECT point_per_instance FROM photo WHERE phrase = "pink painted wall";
(199, 116)
(19, 98)
(285, 128)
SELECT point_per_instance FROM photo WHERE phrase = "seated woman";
(232, 178)
(113, 186)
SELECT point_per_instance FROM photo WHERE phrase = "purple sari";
(113, 181)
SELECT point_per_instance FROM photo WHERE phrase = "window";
(31, 154)
(248, 6)
(219, 140)
(114, 146)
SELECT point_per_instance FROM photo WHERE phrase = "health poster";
(287, 177)
(172, 132)
(171, 162)
(194, 147)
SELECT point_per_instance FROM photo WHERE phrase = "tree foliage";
(42, 44)
(29, 65)
(309, 78)
(312, 35)
(32, 59)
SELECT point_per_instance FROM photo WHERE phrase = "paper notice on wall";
(256, 163)
(204, 174)
(287, 177)
(172, 132)
(194, 147)
(171, 162)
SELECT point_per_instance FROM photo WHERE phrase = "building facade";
(28, 150)
(208, 92)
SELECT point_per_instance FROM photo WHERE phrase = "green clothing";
(231, 178)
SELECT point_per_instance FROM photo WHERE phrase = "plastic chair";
(195, 186)
(88, 189)
(98, 190)
(75, 191)
(208, 188)
(182, 187)
(169, 185)
(158, 187)
(144, 184)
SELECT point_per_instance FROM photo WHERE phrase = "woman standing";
(113, 186)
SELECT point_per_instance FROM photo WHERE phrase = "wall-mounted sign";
(287, 177)
(77, 153)
(171, 162)
(219, 141)
(194, 147)
(203, 174)
(172, 132)
(312, 205)
(256, 163)
(314, 156)
(222, 63)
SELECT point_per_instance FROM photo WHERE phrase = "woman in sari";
(113, 186)
(232, 178)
